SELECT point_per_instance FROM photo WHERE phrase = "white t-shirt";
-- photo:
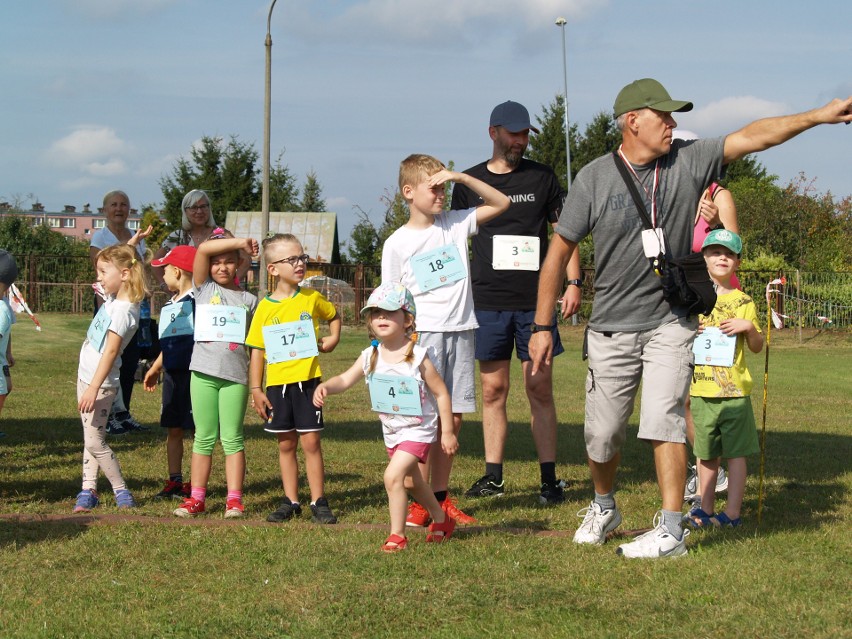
(104, 237)
(124, 320)
(406, 428)
(448, 308)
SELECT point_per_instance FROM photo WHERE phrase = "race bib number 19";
(219, 323)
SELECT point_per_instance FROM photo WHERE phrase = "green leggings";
(218, 409)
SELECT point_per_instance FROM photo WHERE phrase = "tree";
(367, 240)
(283, 190)
(19, 238)
(312, 200)
(363, 243)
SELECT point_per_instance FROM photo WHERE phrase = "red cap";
(181, 256)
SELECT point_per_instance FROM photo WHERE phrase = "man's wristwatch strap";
(535, 328)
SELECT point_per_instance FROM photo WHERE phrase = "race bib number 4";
(395, 395)
(438, 267)
(713, 348)
(515, 253)
(218, 323)
(289, 341)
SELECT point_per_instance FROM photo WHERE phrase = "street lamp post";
(267, 109)
(560, 22)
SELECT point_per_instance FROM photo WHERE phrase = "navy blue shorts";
(500, 332)
(177, 407)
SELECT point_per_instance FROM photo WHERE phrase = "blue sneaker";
(86, 500)
(123, 499)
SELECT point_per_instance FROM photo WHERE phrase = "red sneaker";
(449, 507)
(186, 490)
(173, 490)
(233, 508)
(190, 508)
(417, 515)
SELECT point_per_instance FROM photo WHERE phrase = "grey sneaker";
(691, 483)
(596, 524)
(322, 513)
(658, 542)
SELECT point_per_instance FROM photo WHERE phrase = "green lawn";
(517, 574)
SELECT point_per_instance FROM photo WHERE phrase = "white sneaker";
(691, 483)
(721, 481)
(596, 524)
(658, 542)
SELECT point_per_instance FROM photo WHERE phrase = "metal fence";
(64, 285)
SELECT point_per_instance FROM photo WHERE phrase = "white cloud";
(729, 114)
(114, 166)
(91, 152)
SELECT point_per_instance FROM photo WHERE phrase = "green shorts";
(724, 427)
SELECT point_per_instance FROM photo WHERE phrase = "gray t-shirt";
(222, 359)
(628, 295)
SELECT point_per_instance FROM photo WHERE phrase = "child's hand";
(261, 404)
(252, 247)
(700, 326)
(449, 443)
(320, 393)
(735, 326)
(10, 360)
(708, 210)
(327, 343)
(87, 400)
(443, 176)
(152, 378)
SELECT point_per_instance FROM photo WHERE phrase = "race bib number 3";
(289, 341)
(218, 323)
(176, 319)
(438, 267)
(395, 395)
(713, 348)
(515, 253)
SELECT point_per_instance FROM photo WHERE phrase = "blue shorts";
(500, 332)
(176, 411)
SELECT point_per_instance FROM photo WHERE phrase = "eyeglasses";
(292, 261)
(198, 208)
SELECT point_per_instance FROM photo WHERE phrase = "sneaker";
(658, 542)
(123, 499)
(285, 511)
(115, 428)
(173, 490)
(130, 425)
(233, 508)
(322, 513)
(486, 486)
(417, 515)
(86, 501)
(721, 481)
(691, 484)
(552, 493)
(190, 508)
(453, 512)
(596, 524)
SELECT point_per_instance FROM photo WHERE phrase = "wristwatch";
(575, 282)
(535, 328)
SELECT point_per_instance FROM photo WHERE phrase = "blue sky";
(104, 94)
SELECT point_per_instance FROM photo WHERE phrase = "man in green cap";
(634, 335)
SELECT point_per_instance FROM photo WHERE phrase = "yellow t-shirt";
(306, 304)
(723, 381)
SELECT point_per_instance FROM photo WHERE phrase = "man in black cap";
(634, 334)
(507, 254)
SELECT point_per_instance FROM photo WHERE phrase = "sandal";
(395, 543)
(697, 518)
(721, 520)
(445, 528)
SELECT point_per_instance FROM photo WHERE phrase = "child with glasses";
(285, 334)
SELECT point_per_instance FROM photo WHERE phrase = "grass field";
(516, 574)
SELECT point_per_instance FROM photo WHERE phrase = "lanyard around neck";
(653, 194)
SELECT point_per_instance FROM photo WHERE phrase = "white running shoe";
(658, 542)
(721, 481)
(596, 524)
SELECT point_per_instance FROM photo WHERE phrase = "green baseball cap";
(726, 238)
(647, 93)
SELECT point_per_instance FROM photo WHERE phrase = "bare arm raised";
(493, 201)
(768, 132)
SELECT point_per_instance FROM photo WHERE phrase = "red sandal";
(395, 543)
(446, 529)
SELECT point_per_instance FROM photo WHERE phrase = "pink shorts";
(418, 449)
